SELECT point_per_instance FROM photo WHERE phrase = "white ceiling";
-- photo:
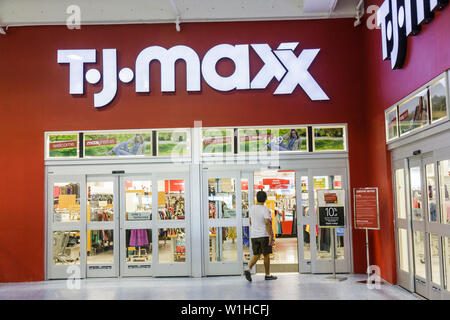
(54, 12)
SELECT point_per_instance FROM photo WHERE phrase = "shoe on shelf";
(270, 277)
(247, 274)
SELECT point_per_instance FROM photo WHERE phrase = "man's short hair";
(261, 196)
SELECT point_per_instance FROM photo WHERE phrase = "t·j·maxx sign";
(282, 64)
(402, 18)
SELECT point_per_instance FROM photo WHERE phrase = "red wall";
(34, 98)
(428, 55)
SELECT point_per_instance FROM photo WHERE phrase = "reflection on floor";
(289, 286)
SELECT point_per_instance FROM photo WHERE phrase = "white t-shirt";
(257, 215)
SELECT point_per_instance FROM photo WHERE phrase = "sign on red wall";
(366, 208)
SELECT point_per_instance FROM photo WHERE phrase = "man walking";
(261, 235)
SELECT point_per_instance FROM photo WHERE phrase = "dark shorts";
(261, 246)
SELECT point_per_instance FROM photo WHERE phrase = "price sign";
(331, 208)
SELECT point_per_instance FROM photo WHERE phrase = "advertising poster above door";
(117, 144)
(366, 208)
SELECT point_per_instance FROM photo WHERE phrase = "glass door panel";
(65, 226)
(102, 248)
(444, 181)
(171, 225)
(223, 245)
(136, 203)
(322, 253)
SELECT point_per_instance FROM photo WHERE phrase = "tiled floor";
(289, 286)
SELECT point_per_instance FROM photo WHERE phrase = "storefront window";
(118, 144)
(173, 143)
(66, 247)
(391, 124)
(172, 245)
(329, 139)
(273, 139)
(400, 193)
(217, 141)
(438, 100)
(66, 202)
(62, 146)
(413, 114)
(171, 200)
(138, 200)
(444, 181)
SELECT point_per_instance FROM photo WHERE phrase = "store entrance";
(281, 201)
(422, 223)
(300, 245)
(119, 225)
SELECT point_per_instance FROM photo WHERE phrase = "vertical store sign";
(282, 64)
(402, 18)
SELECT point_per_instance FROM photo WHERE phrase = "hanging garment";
(139, 238)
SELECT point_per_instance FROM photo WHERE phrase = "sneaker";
(270, 278)
(247, 274)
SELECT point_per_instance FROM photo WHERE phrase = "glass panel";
(217, 140)
(63, 146)
(138, 200)
(222, 244)
(447, 262)
(391, 124)
(435, 263)
(246, 244)
(138, 245)
(244, 190)
(340, 248)
(305, 196)
(413, 114)
(323, 244)
(100, 246)
(118, 144)
(403, 249)
(328, 138)
(100, 206)
(416, 193)
(66, 202)
(419, 254)
(171, 200)
(172, 245)
(431, 192)
(323, 239)
(438, 92)
(444, 180)
(400, 193)
(66, 247)
(307, 242)
(222, 198)
(173, 143)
